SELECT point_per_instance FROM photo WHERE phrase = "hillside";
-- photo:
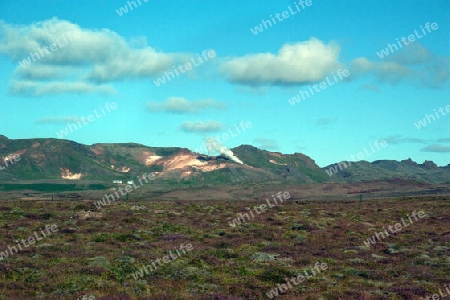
(388, 169)
(53, 159)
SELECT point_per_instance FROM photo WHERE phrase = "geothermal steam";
(213, 145)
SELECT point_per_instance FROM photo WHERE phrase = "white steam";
(213, 145)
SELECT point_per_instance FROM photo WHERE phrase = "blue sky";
(114, 57)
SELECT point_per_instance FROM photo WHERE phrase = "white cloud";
(37, 89)
(413, 54)
(130, 64)
(413, 64)
(295, 64)
(180, 105)
(78, 55)
(385, 71)
(42, 72)
(201, 127)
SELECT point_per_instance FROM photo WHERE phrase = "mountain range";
(56, 160)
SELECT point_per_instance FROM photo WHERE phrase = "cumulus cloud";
(390, 72)
(43, 72)
(80, 55)
(178, 105)
(294, 64)
(413, 54)
(130, 64)
(201, 127)
(37, 89)
(413, 64)
(436, 148)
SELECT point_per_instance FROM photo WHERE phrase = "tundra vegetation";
(97, 254)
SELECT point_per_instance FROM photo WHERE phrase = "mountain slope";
(389, 169)
(53, 159)
(62, 159)
(291, 167)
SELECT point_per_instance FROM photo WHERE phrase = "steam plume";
(213, 145)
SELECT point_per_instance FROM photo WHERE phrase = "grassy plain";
(97, 255)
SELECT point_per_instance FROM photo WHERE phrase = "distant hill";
(389, 169)
(54, 159)
(290, 167)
